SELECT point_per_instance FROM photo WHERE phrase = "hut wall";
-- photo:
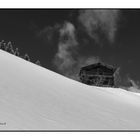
(97, 76)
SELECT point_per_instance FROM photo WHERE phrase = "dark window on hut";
(97, 74)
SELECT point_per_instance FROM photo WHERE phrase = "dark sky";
(23, 28)
(20, 26)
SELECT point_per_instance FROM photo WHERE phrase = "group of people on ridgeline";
(8, 47)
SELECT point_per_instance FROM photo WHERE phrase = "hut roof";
(92, 66)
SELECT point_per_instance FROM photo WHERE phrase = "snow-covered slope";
(34, 98)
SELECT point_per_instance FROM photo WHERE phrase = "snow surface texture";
(34, 98)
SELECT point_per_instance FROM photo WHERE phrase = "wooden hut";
(98, 74)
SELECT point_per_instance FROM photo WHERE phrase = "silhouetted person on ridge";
(26, 57)
(16, 53)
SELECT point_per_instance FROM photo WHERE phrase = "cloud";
(64, 57)
(100, 22)
(135, 86)
(67, 60)
(130, 84)
(48, 32)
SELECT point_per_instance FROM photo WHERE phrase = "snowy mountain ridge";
(34, 98)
